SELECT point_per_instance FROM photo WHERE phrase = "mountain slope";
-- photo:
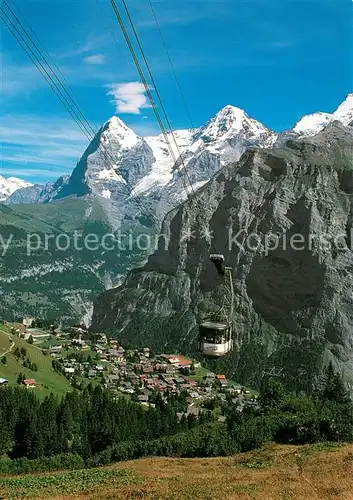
(28, 194)
(130, 183)
(48, 270)
(119, 165)
(293, 308)
(10, 185)
(122, 183)
(131, 174)
(48, 380)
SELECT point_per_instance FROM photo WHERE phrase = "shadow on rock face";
(288, 280)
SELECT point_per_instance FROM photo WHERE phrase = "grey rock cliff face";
(24, 195)
(293, 301)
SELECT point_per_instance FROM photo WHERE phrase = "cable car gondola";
(215, 334)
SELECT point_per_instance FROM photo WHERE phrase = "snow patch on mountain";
(314, 123)
(165, 155)
(10, 185)
(128, 173)
(116, 131)
(344, 113)
(106, 194)
(226, 136)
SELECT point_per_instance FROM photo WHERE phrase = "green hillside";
(64, 216)
(47, 379)
(40, 277)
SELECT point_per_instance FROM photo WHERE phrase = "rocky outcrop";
(283, 219)
(28, 194)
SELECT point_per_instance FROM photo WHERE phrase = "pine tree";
(272, 395)
(333, 388)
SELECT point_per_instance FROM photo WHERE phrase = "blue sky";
(277, 59)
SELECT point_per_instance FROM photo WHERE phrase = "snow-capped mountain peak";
(229, 122)
(344, 112)
(229, 118)
(117, 131)
(10, 185)
(313, 124)
(118, 164)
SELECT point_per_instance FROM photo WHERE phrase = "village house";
(27, 321)
(129, 390)
(113, 379)
(115, 355)
(193, 410)
(183, 362)
(101, 338)
(55, 349)
(30, 383)
(78, 344)
(173, 360)
(222, 381)
(160, 367)
(3, 381)
(37, 335)
(77, 330)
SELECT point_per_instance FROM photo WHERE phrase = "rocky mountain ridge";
(293, 309)
(10, 185)
(132, 174)
(130, 187)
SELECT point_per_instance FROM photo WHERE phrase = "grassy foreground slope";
(273, 472)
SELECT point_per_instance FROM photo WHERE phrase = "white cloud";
(33, 173)
(95, 59)
(92, 43)
(28, 141)
(20, 80)
(128, 97)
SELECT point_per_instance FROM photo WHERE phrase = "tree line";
(95, 427)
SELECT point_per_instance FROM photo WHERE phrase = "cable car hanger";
(216, 332)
